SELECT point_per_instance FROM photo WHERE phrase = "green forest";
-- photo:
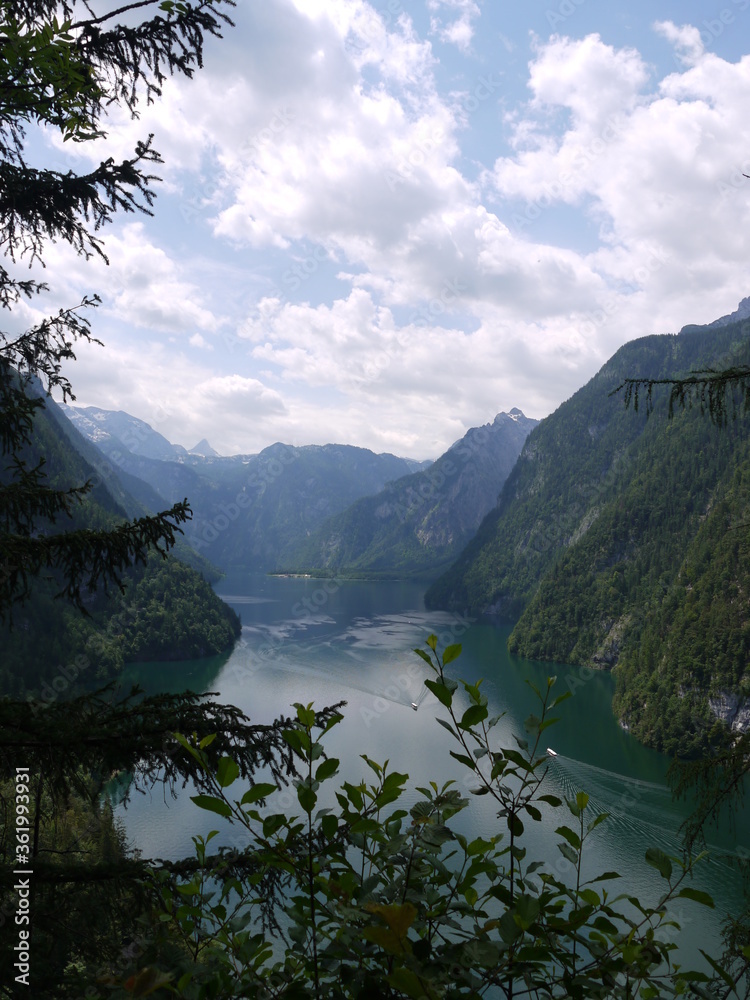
(593, 549)
(165, 610)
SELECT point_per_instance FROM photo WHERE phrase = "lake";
(323, 641)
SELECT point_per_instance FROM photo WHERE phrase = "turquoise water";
(313, 641)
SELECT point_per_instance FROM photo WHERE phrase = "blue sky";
(382, 223)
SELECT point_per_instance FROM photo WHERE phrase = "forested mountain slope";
(419, 523)
(620, 541)
(168, 611)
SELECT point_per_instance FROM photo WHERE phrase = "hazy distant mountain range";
(273, 510)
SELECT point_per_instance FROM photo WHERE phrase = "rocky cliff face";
(732, 710)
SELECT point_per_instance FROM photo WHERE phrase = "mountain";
(106, 426)
(247, 509)
(260, 506)
(417, 524)
(204, 449)
(620, 540)
(741, 312)
(168, 610)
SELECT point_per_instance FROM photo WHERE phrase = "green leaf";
(305, 715)
(405, 981)
(432, 642)
(718, 969)
(326, 769)
(440, 691)
(590, 897)
(478, 846)
(365, 826)
(260, 791)
(207, 741)
(395, 780)
(567, 852)
(659, 860)
(307, 798)
(572, 838)
(697, 896)
(551, 800)
(190, 749)
(329, 825)
(595, 822)
(273, 823)
(463, 759)
(448, 726)
(497, 768)
(212, 804)
(354, 794)
(514, 824)
(333, 721)
(560, 698)
(227, 772)
(425, 656)
(473, 715)
(527, 910)
(293, 738)
(451, 653)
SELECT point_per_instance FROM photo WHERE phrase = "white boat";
(551, 752)
(414, 705)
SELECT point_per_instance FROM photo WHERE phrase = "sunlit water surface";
(307, 641)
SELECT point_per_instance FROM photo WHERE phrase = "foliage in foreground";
(384, 901)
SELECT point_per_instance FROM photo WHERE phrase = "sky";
(382, 223)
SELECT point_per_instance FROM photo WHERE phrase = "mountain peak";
(204, 449)
(514, 414)
(741, 312)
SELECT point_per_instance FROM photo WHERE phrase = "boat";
(551, 752)
(414, 705)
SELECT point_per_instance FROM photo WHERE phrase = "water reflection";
(303, 640)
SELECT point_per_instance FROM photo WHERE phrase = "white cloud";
(648, 166)
(347, 257)
(460, 31)
(686, 40)
(177, 395)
